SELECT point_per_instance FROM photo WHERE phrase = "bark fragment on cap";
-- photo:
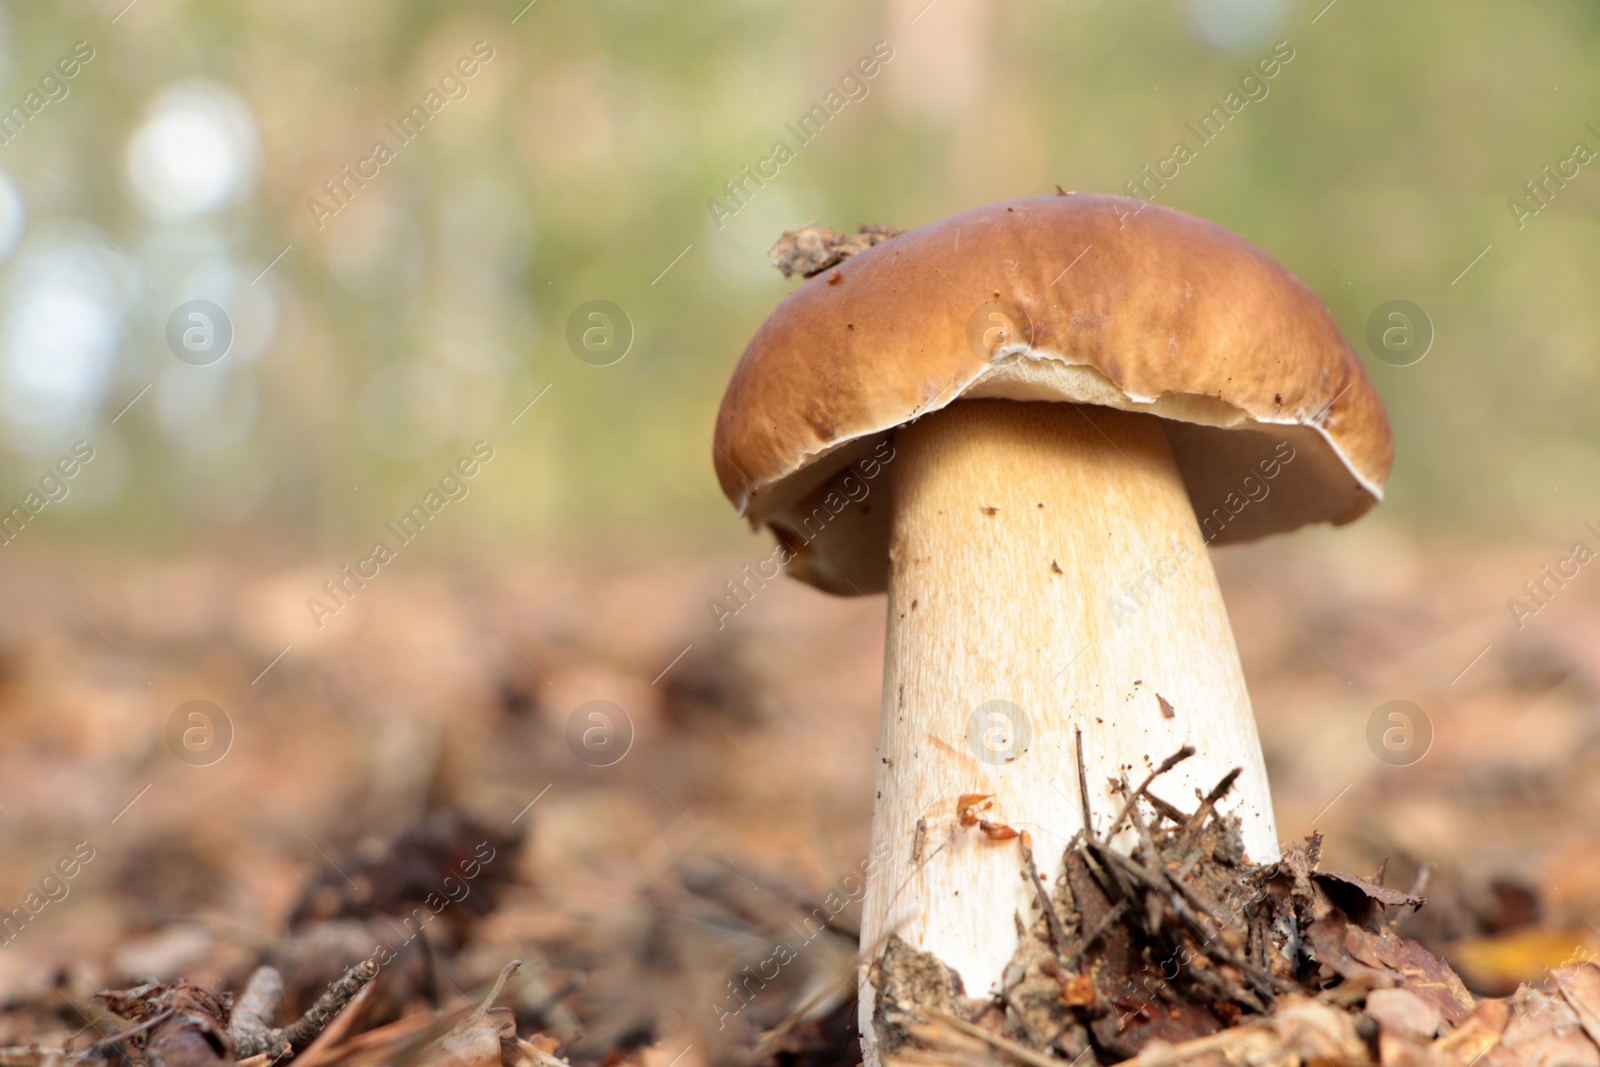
(810, 250)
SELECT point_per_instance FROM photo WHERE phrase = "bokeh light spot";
(197, 151)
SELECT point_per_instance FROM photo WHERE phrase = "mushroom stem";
(1045, 555)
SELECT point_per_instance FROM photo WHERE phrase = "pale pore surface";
(991, 497)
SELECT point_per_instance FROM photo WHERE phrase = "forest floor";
(433, 744)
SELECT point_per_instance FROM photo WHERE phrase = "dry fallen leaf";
(1404, 1013)
(474, 1042)
(1581, 987)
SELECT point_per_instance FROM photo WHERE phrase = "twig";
(1058, 936)
(1017, 1052)
(494, 993)
(1419, 888)
(119, 1038)
(1154, 883)
(1154, 863)
(300, 1033)
(1157, 886)
(539, 1055)
(1198, 819)
(1133, 798)
(1419, 885)
(1171, 811)
(1110, 887)
(1226, 990)
(264, 994)
(1185, 865)
(1069, 899)
(256, 1011)
(1112, 862)
(1200, 904)
(1265, 983)
(327, 1048)
(1083, 790)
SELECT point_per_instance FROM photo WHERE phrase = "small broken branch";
(1133, 798)
(494, 992)
(256, 1011)
(1058, 935)
(1168, 810)
(263, 995)
(117, 1040)
(1197, 821)
(1083, 790)
(1020, 1053)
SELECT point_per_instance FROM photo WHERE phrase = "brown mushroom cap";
(1160, 312)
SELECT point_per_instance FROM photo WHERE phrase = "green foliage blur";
(583, 159)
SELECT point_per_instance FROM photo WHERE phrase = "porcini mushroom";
(1026, 423)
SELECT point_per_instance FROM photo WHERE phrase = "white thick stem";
(1046, 556)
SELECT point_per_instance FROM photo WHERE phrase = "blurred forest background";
(1377, 164)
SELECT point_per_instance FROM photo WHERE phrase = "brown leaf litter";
(1184, 953)
(183, 1025)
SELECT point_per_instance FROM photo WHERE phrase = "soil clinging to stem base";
(1178, 941)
